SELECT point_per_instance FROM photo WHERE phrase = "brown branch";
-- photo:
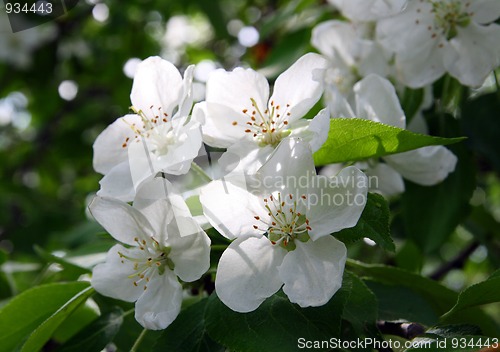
(403, 329)
(456, 263)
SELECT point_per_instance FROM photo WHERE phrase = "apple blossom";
(160, 136)
(239, 115)
(376, 100)
(352, 54)
(431, 37)
(368, 10)
(162, 241)
(282, 225)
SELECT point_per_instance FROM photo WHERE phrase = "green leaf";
(97, 335)
(409, 257)
(43, 332)
(431, 214)
(72, 269)
(373, 223)
(361, 309)
(358, 139)
(76, 322)
(441, 297)
(277, 324)
(397, 302)
(482, 293)
(188, 333)
(438, 296)
(25, 312)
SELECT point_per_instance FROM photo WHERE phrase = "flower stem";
(196, 168)
(138, 341)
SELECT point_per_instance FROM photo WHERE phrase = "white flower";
(376, 100)
(162, 243)
(352, 55)
(282, 229)
(239, 115)
(431, 37)
(368, 10)
(160, 136)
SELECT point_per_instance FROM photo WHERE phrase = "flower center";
(151, 258)
(268, 127)
(450, 14)
(286, 224)
(155, 128)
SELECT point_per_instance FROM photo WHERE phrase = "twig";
(403, 329)
(456, 263)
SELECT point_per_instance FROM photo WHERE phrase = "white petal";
(118, 183)
(418, 124)
(361, 10)
(110, 147)
(290, 166)
(314, 131)
(141, 162)
(300, 86)
(485, 11)
(426, 166)
(313, 272)
(177, 161)
(186, 102)
(376, 100)
(218, 128)
(384, 179)
(234, 89)
(245, 157)
(231, 209)
(112, 277)
(247, 273)
(343, 39)
(159, 189)
(473, 53)
(421, 65)
(228, 95)
(118, 218)
(336, 203)
(338, 104)
(408, 30)
(157, 83)
(190, 253)
(160, 303)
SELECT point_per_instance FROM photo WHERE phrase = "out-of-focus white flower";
(368, 10)
(282, 229)
(159, 137)
(431, 37)
(182, 31)
(163, 243)
(239, 115)
(352, 55)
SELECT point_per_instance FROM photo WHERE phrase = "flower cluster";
(279, 215)
(383, 49)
